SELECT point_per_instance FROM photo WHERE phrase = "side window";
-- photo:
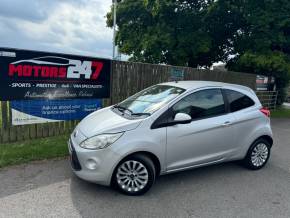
(201, 104)
(238, 101)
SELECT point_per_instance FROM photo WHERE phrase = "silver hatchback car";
(167, 128)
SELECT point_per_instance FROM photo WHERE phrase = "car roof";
(196, 84)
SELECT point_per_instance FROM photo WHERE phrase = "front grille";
(74, 158)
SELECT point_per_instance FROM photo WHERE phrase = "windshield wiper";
(140, 114)
(122, 108)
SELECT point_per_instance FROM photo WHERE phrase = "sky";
(67, 26)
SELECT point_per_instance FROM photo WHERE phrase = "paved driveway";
(48, 189)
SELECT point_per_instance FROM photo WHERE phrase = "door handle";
(227, 123)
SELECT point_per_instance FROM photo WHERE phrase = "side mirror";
(182, 118)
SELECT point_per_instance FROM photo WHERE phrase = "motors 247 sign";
(30, 75)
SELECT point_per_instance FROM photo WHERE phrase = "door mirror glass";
(182, 118)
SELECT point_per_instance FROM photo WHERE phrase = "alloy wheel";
(132, 176)
(259, 155)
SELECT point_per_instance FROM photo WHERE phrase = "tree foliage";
(165, 31)
(260, 39)
(249, 35)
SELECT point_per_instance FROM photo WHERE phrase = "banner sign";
(31, 75)
(42, 111)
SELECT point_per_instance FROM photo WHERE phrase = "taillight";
(265, 111)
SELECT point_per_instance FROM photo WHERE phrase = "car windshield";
(150, 100)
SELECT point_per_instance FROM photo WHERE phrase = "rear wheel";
(135, 175)
(258, 154)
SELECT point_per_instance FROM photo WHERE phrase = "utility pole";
(114, 27)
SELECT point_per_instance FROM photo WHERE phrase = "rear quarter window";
(238, 101)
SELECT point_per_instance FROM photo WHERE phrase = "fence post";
(276, 97)
(4, 110)
(5, 122)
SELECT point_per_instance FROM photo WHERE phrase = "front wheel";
(135, 175)
(258, 154)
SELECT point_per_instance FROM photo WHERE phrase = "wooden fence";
(127, 79)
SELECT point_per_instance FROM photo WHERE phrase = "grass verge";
(36, 149)
(281, 112)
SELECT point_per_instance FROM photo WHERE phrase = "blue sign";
(42, 111)
(176, 74)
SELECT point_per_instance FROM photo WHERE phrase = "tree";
(165, 31)
(249, 35)
(258, 34)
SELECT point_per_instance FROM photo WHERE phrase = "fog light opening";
(91, 164)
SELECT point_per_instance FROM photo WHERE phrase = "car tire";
(134, 175)
(258, 154)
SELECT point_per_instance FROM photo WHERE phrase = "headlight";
(100, 141)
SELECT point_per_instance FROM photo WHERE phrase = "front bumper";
(95, 166)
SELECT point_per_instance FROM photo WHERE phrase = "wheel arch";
(267, 138)
(247, 159)
(251, 141)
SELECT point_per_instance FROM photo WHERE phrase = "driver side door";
(208, 138)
